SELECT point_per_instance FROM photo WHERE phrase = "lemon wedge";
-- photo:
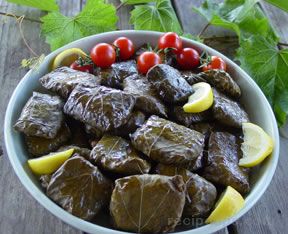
(257, 145)
(201, 99)
(229, 204)
(67, 57)
(49, 163)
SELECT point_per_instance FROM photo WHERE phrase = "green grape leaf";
(45, 5)
(96, 17)
(159, 16)
(268, 66)
(241, 16)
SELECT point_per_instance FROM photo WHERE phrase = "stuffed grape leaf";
(191, 77)
(227, 111)
(168, 143)
(115, 75)
(64, 79)
(169, 83)
(78, 135)
(39, 146)
(147, 99)
(204, 128)
(41, 116)
(147, 203)
(84, 152)
(222, 81)
(80, 188)
(222, 163)
(115, 154)
(201, 194)
(187, 119)
(136, 120)
(100, 107)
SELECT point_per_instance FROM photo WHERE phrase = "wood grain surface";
(20, 213)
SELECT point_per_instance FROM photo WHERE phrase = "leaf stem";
(19, 20)
(23, 37)
(119, 6)
(282, 44)
(18, 16)
(203, 30)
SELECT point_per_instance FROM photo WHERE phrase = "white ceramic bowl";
(253, 99)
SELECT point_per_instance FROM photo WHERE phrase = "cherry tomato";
(126, 47)
(147, 60)
(103, 55)
(188, 58)
(170, 40)
(85, 68)
(216, 63)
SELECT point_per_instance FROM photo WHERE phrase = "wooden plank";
(19, 212)
(123, 13)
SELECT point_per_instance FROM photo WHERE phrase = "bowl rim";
(93, 228)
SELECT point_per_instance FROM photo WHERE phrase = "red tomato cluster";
(188, 58)
(104, 55)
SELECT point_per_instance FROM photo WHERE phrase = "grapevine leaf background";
(258, 53)
(157, 17)
(96, 17)
(269, 68)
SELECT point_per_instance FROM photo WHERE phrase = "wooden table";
(20, 213)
